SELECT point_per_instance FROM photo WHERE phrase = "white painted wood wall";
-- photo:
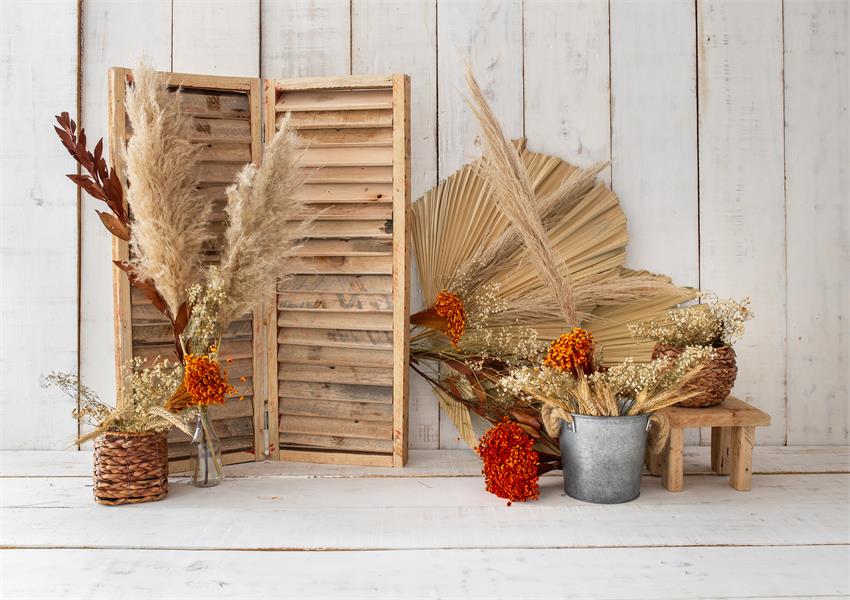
(725, 122)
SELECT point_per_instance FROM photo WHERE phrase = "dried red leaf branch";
(102, 183)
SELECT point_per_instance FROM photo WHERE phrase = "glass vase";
(207, 467)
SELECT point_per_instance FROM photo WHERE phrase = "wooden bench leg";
(721, 449)
(741, 474)
(672, 466)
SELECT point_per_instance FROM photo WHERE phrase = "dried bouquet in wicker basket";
(167, 225)
(718, 325)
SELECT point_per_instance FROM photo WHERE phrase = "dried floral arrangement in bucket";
(607, 411)
(717, 324)
(167, 225)
(512, 251)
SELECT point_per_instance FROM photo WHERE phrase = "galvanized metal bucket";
(603, 457)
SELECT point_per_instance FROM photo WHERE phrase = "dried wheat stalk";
(503, 168)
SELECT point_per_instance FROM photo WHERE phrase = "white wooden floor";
(428, 531)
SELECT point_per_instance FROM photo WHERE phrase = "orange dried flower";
(510, 462)
(205, 381)
(450, 307)
(572, 352)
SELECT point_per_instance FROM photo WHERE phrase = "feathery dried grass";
(170, 225)
(503, 168)
(262, 234)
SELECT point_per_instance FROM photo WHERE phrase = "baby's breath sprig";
(718, 323)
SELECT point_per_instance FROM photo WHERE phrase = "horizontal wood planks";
(343, 318)
(224, 119)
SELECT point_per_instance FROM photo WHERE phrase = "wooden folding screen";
(325, 357)
(342, 341)
(226, 121)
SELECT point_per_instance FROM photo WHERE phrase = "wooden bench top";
(734, 412)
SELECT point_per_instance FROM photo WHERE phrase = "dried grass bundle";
(169, 224)
(263, 231)
(503, 168)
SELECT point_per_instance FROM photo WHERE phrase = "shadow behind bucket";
(603, 457)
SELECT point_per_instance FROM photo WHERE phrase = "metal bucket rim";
(638, 416)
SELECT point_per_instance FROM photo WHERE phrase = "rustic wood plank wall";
(725, 122)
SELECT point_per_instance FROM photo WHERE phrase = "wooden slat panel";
(226, 152)
(371, 136)
(334, 265)
(336, 317)
(330, 301)
(226, 105)
(310, 100)
(352, 229)
(340, 338)
(199, 129)
(335, 356)
(161, 333)
(224, 428)
(243, 443)
(342, 119)
(338, 392)
(379, 284)
(363, 175)
(338, 247)
(322, 374)
(337, 458)
(351, 211)
(348, 155)
(231, 409)
(345, 192)
(336, 427)
(363, 321)
(309, 441)
(365, 411)
(218, 172)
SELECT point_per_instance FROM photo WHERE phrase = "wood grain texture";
(657, 573)
(305, 39)
(489, 34)
(742, 196)
(383, 41)
(817, 155)
(567, 93)
(654, 137)
(216, 38)
(38, 223)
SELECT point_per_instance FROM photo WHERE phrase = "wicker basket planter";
(130, 468)
(715, 381)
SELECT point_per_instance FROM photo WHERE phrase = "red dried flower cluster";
(572, 352)
(510, 462)
(450, 306)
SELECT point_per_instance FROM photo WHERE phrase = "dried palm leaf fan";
(476, 239)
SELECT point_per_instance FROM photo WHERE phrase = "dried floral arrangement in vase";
(135, 428)
(605, 410)
(167, 225)
(717, 324)
(512, 251)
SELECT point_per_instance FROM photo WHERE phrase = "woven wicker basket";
(714, 382)
(130, 468)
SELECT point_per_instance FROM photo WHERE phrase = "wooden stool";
(733, 425)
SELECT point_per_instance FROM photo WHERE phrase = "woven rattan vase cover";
(715, 381)
(130, 468)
